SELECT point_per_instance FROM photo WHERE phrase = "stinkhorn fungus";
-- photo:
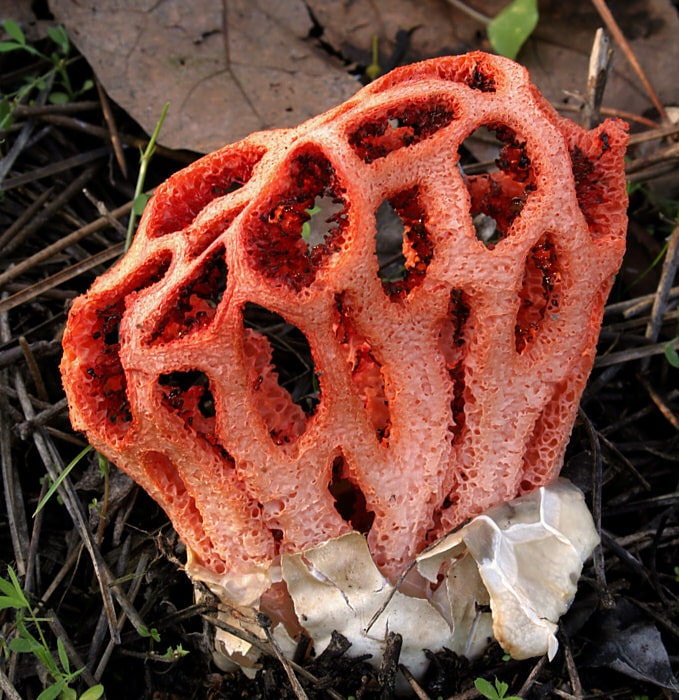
(436, 393)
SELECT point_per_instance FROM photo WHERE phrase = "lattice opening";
(403, 243)
(105, 380)
(453, 344)
(350, 501)
(323, 218)
(400, 126)
(284, 383)
(194, 305)
(366, 371)
(212, 177)
(187, 395)
(499, 176)
(539, 295)
(279, 233)
(478, 77)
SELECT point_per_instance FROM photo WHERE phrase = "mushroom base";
(509, 574)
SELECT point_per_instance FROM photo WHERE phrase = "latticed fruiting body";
(441, 393)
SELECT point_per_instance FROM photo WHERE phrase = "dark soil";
(63, 216)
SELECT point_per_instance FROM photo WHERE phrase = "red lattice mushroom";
(440, 394)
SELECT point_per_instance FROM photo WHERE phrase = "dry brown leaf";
(221, 85)
(231, 68)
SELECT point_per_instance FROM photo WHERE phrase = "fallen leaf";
(629, 643)
(225, 73)
(232, 68)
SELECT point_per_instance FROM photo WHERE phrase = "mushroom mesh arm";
(439, 393)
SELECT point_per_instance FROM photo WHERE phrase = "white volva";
(523, 558)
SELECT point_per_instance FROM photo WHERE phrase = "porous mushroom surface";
(437, 395)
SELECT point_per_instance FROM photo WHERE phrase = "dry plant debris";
(100, 562)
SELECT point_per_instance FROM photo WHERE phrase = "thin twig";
(8, 160)
(102, 133)
(615, 358)
(35, 290)
(284, 662)
(660, 402)
(29, 214)
(470, 11)
(599, 63)
(574, 676)
(50, 209)
(30, 111)
(59, 631)
(597, 483)
(54, 168)
(34, 369)
(50, 458)
(533, 676)
(113, 128)
(56, 247)
(70, 562)
(625, 557)
(25, 428)
(659, 132)
(7, 687)
(14, 502)
(103, 210)
(264, 647)
(638, 305)
(133, 592)
(667, 276)
(412, 682)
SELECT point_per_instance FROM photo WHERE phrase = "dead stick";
(29, 214)
(58, 246)
(669, 270)
(60, 277)
(54, 168)
(597, 483)
(113, 128)
(50, 209)
(599, 63)
(285, 663)
(7, 687)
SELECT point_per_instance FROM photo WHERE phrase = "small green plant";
(306, 226)
(151, 634)
(140, 197)
(175, 653)
(57, 73)
(57, 482)
(494, 692)
(374, 69)
(510, 28)
(28, 637)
